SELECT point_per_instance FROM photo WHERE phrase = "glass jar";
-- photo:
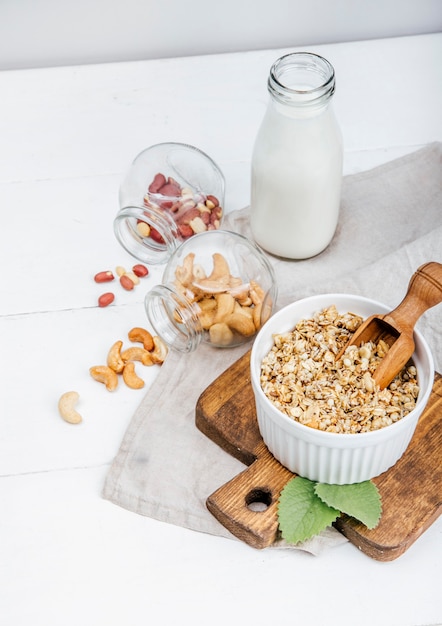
(171, 192)
(218, 287)
(297, 160)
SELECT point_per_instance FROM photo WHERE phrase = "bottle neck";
(302, 80)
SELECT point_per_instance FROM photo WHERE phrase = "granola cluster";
(301, 376)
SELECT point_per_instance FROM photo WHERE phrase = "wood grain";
(411, 491)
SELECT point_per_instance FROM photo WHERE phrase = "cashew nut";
(220, 334)
(66, 408)
(206, 312)
(239, 304)
(225, 306)
(160, 352)
(184, 273)
(130, 378)
(137, 354)
(114, 359)
(260, 313)
(104, 374)
(218, 280)
(198, 272)
(207, 286)
(256, 292)
(243, 324)
(221, 270)
(143, 336)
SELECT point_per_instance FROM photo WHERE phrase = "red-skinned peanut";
(104, 277)
(105, 299)
(140, 270)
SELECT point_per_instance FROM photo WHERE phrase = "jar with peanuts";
(218, 288)
(297, 160)
(171, 192)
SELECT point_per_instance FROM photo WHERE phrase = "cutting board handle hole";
(258, 499)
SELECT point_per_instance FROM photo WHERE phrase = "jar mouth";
(144, 248)
(301, 79)
(181, 331)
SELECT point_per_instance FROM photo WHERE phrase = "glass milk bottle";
(297, 160)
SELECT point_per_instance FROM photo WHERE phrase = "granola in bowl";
(301, 376)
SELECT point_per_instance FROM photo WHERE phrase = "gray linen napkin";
(390, 223)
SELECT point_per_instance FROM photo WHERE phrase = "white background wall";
(36, 33)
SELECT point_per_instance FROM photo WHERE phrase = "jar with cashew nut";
(218, 288)
(171, 192)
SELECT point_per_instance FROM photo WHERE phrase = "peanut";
(66, 408)
(156, 236)
(134, 278)
(104, 277)
(197, 225)
(213, 200)
(140, 270)
(104, 374)
(130, 377)
(105, 299)
(159, 181)
(143, 229)
(114, 359)
(143, 336)
(180, 202)
(185, 230)
(126, 282)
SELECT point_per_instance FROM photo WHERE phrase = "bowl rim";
(291, 425)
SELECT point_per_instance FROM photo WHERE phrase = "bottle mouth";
(301, 79)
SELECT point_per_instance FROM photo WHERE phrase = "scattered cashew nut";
(143, 336)
(130, 377)
(160, 351)
(66, 408)
(137, 354)
(114, 359)
(104, 374)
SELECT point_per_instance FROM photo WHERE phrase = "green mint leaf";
(301, 514)
(361, 500)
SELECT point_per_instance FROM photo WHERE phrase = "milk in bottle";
(297, 160)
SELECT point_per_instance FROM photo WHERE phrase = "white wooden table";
(67, 136)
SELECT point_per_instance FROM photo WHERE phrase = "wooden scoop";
(396, 328)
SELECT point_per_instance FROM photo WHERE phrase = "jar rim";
(303, 65)
(144, 248)
(161, 304)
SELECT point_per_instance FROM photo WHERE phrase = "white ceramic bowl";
(326, 457)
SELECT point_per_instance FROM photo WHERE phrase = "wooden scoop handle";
(424, 291)
(247, 504)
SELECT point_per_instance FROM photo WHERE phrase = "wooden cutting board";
(411, 491)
